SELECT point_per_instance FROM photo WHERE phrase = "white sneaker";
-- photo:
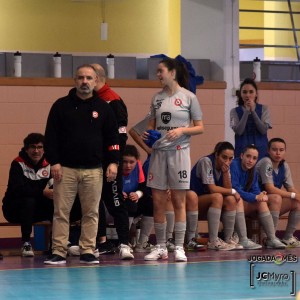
(250, 245)
(27, 250)
(219, 244)
(179, 254)
(157, 253)
(75, 251)
(125, 252)
(96, 253)
(275, 244)
(292, 242)
(232, 242)
(144, 247)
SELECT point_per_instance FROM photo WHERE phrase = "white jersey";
(171, 112)
(205, 170)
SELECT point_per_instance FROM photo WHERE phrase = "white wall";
(210, 29)
(202, 32)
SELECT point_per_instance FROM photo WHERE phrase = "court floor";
(206, 275)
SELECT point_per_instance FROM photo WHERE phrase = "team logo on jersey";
(178, 102)
(150, 176)
(95, 114)
(158, 103)
(269, 171)
(209, 173)
(166, 117)
(45, 173)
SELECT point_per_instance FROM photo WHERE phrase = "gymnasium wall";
(24, 109)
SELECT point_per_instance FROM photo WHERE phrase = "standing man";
(112, 192)
(80, 129)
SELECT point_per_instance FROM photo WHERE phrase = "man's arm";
(120, 110)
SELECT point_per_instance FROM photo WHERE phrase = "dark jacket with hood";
(79, 132)
(27, 179)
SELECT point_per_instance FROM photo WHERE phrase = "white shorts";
(170, 169)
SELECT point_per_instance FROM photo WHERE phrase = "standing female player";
(176, 114)
(250, 121)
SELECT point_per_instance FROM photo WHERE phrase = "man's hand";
(111, 172)
(56, 172)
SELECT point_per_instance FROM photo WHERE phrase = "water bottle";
(57, 65)
(110, 62)
(256, 70)
(17, 64)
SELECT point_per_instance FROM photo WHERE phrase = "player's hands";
(174, 134)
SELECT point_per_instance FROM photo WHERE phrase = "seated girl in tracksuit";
(253, 201)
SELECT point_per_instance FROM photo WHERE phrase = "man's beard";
(84, 90)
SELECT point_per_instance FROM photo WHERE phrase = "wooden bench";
(41, 231)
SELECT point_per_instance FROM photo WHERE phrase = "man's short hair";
(33, 138)
(85, 66)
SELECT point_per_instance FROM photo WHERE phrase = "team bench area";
(41, 238)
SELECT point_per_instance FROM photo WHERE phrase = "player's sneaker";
(292, 242)
(193, 245)
(144, 247)
(157, 253)
(170, 245)
(235, 237)
(75, 251)
(219, 244)
(106, 248)
(250, 245)
(232, 242)
(125, 252)
(275, 244)
(179, 254)
(27, 250)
